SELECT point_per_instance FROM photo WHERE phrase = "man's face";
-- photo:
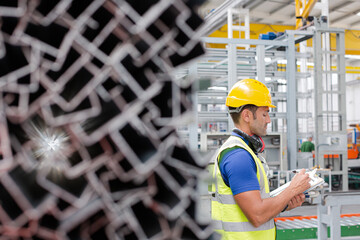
(259, 124)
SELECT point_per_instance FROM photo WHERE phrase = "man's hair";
(236, 116)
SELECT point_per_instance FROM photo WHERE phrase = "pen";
(297, 171)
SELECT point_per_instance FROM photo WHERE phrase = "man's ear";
(246, 115)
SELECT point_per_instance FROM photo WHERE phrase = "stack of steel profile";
(305, 227)
(89, 148)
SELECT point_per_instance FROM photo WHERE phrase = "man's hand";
(296, 201)
(300, 182)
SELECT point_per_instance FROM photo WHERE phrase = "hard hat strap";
(237, 110)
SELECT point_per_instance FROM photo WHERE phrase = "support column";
(322, 222)
(291, 102)
(260, 63)
(335, 228)
(193, 126)
(232, 75)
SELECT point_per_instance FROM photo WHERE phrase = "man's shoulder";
(234, 153)
(229, 151)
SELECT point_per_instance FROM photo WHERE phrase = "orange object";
(355, 125)
(310, 217)
(353, 152)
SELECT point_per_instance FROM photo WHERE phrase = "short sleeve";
(239, 171)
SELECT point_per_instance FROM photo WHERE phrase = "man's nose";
(268, 120)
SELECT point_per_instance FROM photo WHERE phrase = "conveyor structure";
(328, 222)
(305, 227)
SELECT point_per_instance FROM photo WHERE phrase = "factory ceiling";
(342, 13)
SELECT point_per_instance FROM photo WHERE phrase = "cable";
(255, 32)
(272, 28)
(352, 33)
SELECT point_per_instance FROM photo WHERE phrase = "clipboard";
(315, 182)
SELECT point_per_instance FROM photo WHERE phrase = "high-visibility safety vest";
(228, 219)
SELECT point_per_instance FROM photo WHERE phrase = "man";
(241, 208)
(308, 146)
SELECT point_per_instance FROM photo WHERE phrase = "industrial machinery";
(353, 142)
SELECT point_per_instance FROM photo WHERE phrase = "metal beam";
(217, 18)
(339, 6)
(354, 23)
(210, 101)
(253, 4)
(347, 15)
(269, 16)
(281, 7)
(212, 94)
(282, 95)
(223, 116)
(244, 41)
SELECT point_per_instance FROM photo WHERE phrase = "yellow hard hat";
(249, 91)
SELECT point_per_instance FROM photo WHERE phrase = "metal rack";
(328, 212)
(330, 107)
(247, 63)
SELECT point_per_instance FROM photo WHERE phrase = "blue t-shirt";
(238, 170)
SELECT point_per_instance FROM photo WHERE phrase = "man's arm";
(259, 210)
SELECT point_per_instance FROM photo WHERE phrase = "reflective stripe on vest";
(240, 226)
(224, 199)
(227, 216)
